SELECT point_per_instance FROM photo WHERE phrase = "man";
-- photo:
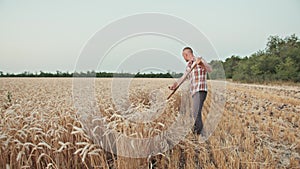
(198, 86)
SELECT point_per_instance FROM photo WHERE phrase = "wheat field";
(40, 126)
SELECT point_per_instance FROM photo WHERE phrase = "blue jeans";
(198, 101)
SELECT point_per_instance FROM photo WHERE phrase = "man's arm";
(183, 77)
(179, 81)
(176, 85)
(207, 67)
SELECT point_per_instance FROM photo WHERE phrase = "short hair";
(189, 48)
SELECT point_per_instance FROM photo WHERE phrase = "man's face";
(187, 55)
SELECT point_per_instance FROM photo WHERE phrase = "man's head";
(187, 54)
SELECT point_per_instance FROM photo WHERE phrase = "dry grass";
(39, 127)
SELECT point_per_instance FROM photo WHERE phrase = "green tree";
(230, 65)
(288, 71)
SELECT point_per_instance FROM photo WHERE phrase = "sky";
(51, 35)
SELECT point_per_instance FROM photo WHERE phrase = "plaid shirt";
(197, 78)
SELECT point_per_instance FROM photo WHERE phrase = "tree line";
(93, 74)
(279, 61)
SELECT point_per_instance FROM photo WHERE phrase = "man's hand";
(173, 87)
(199, 61)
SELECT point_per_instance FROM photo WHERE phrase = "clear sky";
(49, 35)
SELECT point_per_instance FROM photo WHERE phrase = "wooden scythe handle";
(182, 79)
